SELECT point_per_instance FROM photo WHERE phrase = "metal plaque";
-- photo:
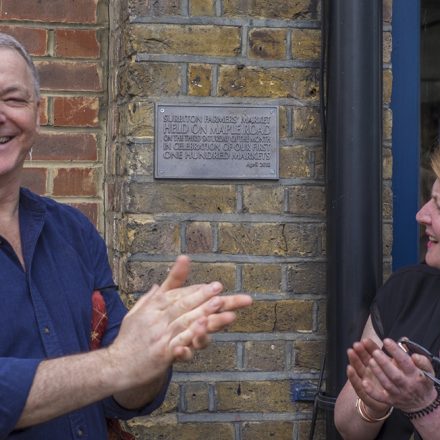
(216, 142)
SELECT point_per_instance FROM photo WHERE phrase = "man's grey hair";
(9, 42)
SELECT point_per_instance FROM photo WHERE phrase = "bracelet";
(360, 406)
(427, 410)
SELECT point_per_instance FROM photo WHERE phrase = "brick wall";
(262, 237)
(265, 238)
(67, 40)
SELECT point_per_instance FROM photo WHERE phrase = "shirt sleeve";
(113, 410)
(116, 312)
(16, 377)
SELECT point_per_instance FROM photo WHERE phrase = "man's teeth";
(431, 238)
(4, 139)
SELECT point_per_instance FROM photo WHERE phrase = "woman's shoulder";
(416, 271)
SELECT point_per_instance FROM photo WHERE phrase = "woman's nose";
(423, 216)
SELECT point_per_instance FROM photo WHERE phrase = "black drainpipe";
(354, 177)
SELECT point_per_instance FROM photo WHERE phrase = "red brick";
(75, 182)
(59, 146)
(65, 11)
(90, 210)
(59, 75)
(78, 111)
(44, 116)
(76, 43)
(35, 40)
(35, 179)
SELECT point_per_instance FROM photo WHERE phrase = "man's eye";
(15, 101)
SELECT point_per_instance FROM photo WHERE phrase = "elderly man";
(51, 261)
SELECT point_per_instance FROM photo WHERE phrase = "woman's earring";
(30, 154)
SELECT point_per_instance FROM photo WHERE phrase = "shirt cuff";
(114, 410)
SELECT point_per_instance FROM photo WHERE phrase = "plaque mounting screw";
(162, 110)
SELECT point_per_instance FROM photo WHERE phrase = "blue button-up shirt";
(45, 312)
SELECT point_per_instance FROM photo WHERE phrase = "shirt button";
(46, 330)
(80, 432)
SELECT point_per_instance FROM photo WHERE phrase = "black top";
(408, 304)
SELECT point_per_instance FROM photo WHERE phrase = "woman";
(387, 395)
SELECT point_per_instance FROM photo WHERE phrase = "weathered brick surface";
(306, 277)
(306, 200)
(142, 275)
(267, 43)
(294, 316)
(35, 40)
(59, 146)
(242, 81)
(196, 397)
(80, 11)
(261, 317)
(189, 40)
(153, 8)
(76, 111)
(199, 238)
(77, 43)
(152, 237)
(44, 111)
(267, 199)
(309, 354)
(223, 272)
(265, 356)
(151, 79)
(293, 10)
(69, 76)
(306, 122)
(183, 431)
(202, 8)
(138, 119)
(75, 182)
(262, 396)
(306, 44)
(219, 356)
(181, 198)
(199, 79)
(269, 239)
(171, 403)
(296, 162)
(267, 430)
(261, 278)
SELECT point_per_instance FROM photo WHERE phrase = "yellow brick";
(199, 80)
(221, 41)
(202, 8)
(306, 44)
(181, 198)
(302, 84)
(279, 9)
(261, 278)
(254, 396)
(263, 199)
(268, 44)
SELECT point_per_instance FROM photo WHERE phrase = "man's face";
(18, 112)
(429, 216)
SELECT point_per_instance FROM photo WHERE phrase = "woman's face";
(429, 216)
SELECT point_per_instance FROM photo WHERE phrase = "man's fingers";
(234, 302)
(177, 275)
